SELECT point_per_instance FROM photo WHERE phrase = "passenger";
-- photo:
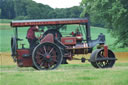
(77, 32)
(31, 37)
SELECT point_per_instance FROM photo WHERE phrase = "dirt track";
(4, 24)
(5, 58)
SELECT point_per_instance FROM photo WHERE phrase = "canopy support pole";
(16, 34)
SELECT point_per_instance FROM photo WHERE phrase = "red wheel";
(47, 56)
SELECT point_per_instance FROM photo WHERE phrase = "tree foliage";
(114, 13)
(28, 9)
(7, 9)
(73, 12)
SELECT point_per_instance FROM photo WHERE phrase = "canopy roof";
(23, 23)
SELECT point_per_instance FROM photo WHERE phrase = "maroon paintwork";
(27, 61)
(24, 61)
(105, 51)
(48, 38)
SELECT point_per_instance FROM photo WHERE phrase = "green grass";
(5, 39)
(5, 21)
(71, 74)
(4, 27)
(6, 32)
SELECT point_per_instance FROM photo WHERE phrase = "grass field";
(72, 74)
(5, 21)
(75, 73)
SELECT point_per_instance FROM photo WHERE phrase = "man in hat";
(31, 37)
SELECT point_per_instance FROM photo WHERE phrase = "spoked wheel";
(47, 56)
(99, 61)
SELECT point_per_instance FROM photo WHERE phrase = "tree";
(73, 12)
(114, 13)
(33, 11)
(7, 9)
(21, 7)
(0, 12)
(38, 11)
(52, 14)
(29, 9)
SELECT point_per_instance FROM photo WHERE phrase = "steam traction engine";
(54, 49)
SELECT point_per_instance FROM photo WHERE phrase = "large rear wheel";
(47, 56)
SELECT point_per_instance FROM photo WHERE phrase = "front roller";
(98, 60)
(47, 56)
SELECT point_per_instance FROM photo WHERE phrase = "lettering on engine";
(68, 40)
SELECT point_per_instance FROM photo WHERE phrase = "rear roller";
(13, 48)
(98, 60)
(47, 56)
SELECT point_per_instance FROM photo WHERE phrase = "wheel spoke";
(54, 58)
(102, 63)
(40, 54)
(51, 51)
(100, 55)
(107, 62)
(44, 49)
(41, 50)
(45, 64)
(38, 57)
(41, 64)
(48, 65)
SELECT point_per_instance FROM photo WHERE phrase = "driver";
(78, 36)
(31, 37)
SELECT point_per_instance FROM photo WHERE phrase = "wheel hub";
(48, 58)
